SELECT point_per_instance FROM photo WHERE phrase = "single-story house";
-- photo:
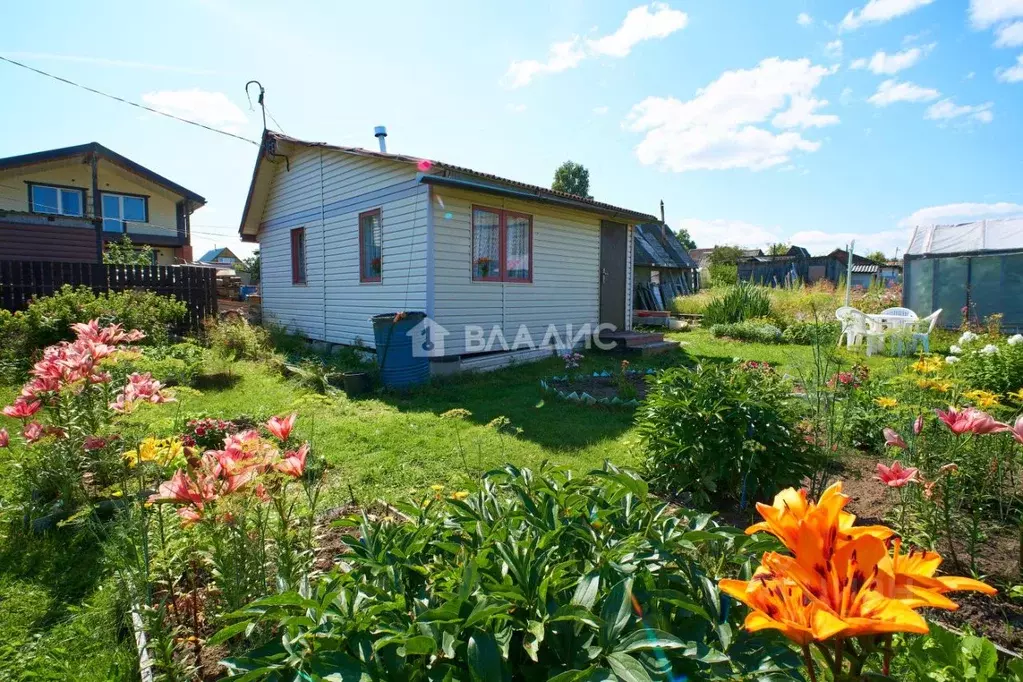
(975, 266)
(662, 268)
(65, 204)
(346, 233)
(220, 256)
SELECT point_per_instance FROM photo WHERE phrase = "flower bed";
(600, 388)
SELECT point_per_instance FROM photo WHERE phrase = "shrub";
(175, 365)
(723, 274)
(721, 433)
(238, 340)
(751, 330)
(695, 304)
(48, 320)
(813, 333)
(1000, 370)
(743, 302)
(527, 578)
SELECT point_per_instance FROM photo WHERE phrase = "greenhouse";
(972, 266)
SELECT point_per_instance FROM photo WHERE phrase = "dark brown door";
(614, 252)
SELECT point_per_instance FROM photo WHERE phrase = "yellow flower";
(885, 402)
(436, 487)
(1016, 395)
(161, 451)
(927, 365)
(939, 386)
(460, 495)
(983, 399)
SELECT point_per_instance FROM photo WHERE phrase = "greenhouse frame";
(971, 266)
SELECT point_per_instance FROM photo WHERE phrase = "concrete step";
(657, 348)
(629, 340)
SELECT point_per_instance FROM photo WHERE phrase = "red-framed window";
(371, 264)
(502, 245)
(298, 275)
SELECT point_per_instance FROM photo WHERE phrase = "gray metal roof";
(984, 235)
(655, 250)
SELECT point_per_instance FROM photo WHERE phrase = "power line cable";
(126, 101)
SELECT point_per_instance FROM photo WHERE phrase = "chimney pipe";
(380, 132)
(664, 236)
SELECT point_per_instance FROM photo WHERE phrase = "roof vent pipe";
(381, 134)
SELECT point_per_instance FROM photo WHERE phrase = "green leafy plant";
(756, 331)
(745, 301)
(812, 333)
(238, 340)
(943, 656)
(991, 364)
(124, 252)
(531, 576)
(722, 434)
(174, 365)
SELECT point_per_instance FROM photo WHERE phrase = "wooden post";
(97, 206)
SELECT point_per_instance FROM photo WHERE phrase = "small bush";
(1000, 371)
(723, 274)
(755, 331)
(48, 320)
(812, 333)
(722, 433)
(743, 302)
(238, 340)
(175, 365)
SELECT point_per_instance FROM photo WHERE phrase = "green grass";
(59, 616)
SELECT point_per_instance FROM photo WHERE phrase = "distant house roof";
(700, 255)
(750, 253)
(655, 248)
(865, 269)
(213, 254)
(443, 174)
(110, 155)
(798, 252)
(984, 235)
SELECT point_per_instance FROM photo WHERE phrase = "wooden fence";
(20, 281)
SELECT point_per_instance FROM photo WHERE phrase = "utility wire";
(125, 101)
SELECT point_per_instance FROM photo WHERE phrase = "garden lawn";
(53, 600)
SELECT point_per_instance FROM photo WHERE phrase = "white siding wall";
(566, 263)
(324, 192)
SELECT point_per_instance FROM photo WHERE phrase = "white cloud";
(724, 125)
(804, 19)
(721, 232)
(833, 49)
(985, 13)
(891, 91)
(601, 110)
(970, 75)
(211, 108)
(562, 56)
(1013, 74)
(947, 109)
(800, 114)
(1010, 35)
(957, 213)
(879, 11)
(640, 24)
(886, 64)
(846, 97)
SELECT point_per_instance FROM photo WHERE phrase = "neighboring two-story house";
(220, 256)
(65, 204)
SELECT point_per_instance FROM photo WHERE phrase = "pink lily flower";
(1017, 429)
(896, 476)
(32, 432)
(918, 425)
(893, 439)
(281, 426)
(22, 408)
(5, 438)
(293, 463)
(970, 420)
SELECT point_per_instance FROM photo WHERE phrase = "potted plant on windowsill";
(483, 266)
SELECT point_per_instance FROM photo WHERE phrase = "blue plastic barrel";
(400, 367)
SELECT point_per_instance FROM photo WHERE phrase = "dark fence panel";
(21, 281)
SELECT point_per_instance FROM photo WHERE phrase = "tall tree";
(251, 265)
(725, 255)
(684, 238)
(573, 178)
(878, 257)
(778, 249)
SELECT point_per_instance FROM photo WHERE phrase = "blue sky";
(754, 120)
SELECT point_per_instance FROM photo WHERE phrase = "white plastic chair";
(924, 337)
(860, 327)
(844, 315)
(900, 312)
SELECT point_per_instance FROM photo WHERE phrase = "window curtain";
(486, 245)
(517, 247)
(372, 264)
